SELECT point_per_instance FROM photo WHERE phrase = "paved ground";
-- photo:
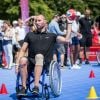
(76, 83)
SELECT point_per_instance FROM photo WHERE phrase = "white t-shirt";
(75, 29)
(20, 31)
(9, 34)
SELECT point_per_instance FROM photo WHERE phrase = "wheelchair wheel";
(55, 78)
(98, 56)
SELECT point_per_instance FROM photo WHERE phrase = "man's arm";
(64, 40)
(21, 54)
(68, 36)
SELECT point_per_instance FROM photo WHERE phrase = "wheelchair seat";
(55, 83)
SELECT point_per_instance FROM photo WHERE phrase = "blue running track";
(75, 83)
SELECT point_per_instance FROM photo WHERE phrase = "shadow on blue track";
(13, 96)
(96, 65)
(29, 97)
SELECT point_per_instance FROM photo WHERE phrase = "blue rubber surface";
(76, 84)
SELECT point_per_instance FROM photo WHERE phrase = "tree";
(10, 9)
(94, 5)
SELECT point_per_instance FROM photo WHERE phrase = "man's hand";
(79, 35)
(65, 32)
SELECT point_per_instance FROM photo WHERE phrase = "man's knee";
(23, 61)
(39, 59)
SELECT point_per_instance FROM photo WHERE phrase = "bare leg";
(77, 49)
(87, 52)
(23, 71)
(54, 57)
(81, 53)
(37, 74)
(62, 59)
(71, 54)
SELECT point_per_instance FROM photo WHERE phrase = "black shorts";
(31, 64)
(21, 42)
(75, 41)
(86, 41)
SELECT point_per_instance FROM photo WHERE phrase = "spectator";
(1, 38)
(54, 28)
(30, 22)
(75, 47)
(20, 32)
(14, 42)
(96, 32)
(86, 41)
(7, 43)
(63, 47)
(1, 49)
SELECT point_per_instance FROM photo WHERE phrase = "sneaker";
(80, 61)
(1, 66)
(87, 62)
(35, 91)
(62, 66)
(75, 66)
(22, 92)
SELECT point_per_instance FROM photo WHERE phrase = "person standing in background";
(59, 49)
(63, 47)
(7, 43)
(75, 46)
(86, 41)
(20, 34)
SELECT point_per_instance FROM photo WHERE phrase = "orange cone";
(3, 89)
(92, 75)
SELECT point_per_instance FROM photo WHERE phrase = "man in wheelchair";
(39, 44)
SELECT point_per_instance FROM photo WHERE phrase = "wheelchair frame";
(54, 67)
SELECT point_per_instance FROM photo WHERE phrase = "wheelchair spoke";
(55, 79)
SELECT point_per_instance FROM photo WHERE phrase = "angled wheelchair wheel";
(98, 56)
(55, 78)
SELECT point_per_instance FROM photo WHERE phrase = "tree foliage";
(10, 9)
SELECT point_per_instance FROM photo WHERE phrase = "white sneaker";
(75, 66)
(77, 62)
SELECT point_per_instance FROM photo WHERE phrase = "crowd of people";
(84, 30)
(35, 38)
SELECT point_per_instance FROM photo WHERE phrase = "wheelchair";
(54, 86)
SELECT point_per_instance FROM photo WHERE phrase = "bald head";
(87, 12)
